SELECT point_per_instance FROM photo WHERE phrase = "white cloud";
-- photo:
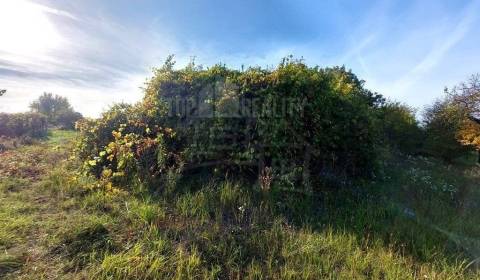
(96, 58)
(26, 30)
(98, 62)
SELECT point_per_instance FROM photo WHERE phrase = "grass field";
(420, 220)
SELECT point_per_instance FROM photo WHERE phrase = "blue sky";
(97, 52)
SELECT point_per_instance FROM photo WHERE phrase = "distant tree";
(400, 128)
(443, 120)
(57, 109)
(67, 119)
(466, 97)
(50, 106)
(2, 92)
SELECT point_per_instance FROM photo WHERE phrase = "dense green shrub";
(67, 119)
(304, 123)
(401, 131)
(443, 121)
(23, 124)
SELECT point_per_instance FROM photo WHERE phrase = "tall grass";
(229, 231)
(419, 221)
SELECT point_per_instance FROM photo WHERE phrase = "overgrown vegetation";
(420, 221)
(293, 121)
(23, 124)
(26, 128)
(57, 109)
(443, 122)
(453, 123)
(305, 128)
(295, 172)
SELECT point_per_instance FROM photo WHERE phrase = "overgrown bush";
(23, 125)
(124, 145)
(401, 131)
(303, 122)
(443, 121)
(67, 119)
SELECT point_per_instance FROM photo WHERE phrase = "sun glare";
(25, 29)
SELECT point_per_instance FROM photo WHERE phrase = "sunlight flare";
(25, 29)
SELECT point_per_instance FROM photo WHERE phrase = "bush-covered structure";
(23, 124)
(299, 124)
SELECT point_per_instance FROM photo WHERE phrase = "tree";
(67, 119)
(57, 109)
(2, 92)
(466, 97)
(50, 106)
(400, 127)
(443, 120)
